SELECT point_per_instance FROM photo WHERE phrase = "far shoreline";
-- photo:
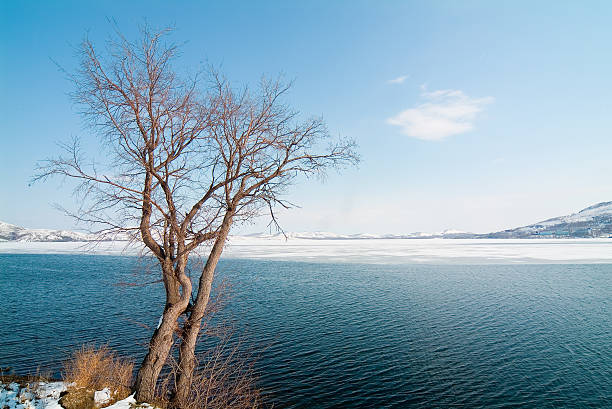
(367, 251)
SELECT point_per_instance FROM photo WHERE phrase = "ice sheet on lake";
(431, 251)
(388, 251)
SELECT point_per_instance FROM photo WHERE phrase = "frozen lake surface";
(378, 251)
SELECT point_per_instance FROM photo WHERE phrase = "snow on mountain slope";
(10, 232)
(591, 213)
(593, 221)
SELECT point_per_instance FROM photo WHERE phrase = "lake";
(339, 335)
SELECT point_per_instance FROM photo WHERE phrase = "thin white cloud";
(398, 80)
(446, 113)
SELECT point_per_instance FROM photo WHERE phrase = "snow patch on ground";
(41, 395)
(44, 395)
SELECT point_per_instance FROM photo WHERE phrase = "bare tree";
(183, 161)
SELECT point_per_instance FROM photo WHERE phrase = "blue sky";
(470, 115)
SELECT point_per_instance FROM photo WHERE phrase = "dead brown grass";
(95, 368)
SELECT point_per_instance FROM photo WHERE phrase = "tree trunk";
(162, 339)
(191, 327)
(159, 348)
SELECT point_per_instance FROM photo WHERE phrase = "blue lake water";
(345, 335)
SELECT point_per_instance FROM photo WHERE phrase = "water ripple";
(342, 336)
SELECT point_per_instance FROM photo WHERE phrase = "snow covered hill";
(10, 232)
(594, 221)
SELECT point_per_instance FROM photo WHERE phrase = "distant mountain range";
(594, 221)
(10, 232)
(321, 235)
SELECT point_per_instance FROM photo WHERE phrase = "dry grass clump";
(94, 368)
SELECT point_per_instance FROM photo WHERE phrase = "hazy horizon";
(241, 232)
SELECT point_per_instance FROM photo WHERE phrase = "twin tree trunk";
(162, 340)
